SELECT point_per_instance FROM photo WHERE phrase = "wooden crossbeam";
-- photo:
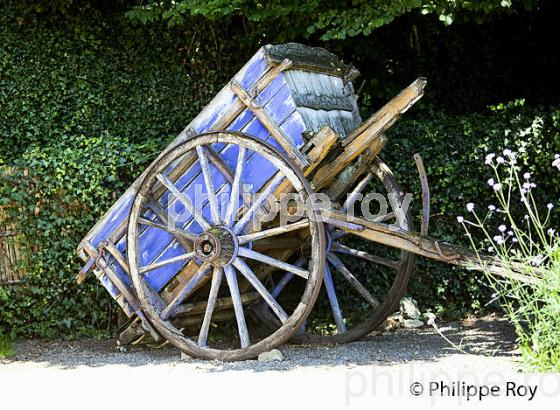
(275, 131)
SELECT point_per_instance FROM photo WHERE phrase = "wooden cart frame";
(167, 274)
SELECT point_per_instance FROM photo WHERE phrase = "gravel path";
(491, 335)
(85, 366)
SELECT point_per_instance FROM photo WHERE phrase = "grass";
(6, 347)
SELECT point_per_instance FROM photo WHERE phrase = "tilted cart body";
(190, 245)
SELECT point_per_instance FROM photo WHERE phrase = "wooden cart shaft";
(393, 236)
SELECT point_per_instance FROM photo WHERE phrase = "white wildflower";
(537, 260)
(431, 319)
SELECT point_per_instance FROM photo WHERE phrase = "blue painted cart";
(286, 127)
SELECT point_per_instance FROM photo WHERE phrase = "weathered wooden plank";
(384, 118)
(221, 123)
(317, 150)
(119, 258)
(345, 180)
(238, 106)
(221, 304)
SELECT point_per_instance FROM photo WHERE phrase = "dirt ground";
(490, 340)
(87, 366)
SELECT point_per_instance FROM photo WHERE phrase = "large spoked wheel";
(363, 281)
(216, 236)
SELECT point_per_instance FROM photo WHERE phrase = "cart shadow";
(487, 336)
(477, 337)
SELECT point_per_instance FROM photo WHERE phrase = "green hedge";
(454, 149)
(57, 195)
(86, 101)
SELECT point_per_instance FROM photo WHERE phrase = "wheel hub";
(217, 246)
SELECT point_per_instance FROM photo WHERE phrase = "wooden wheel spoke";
(233, 204)
(383, 218)
(195, 297)
(333, 301)
(340, 248)
(354, 282)
(355, 194)
(214, 289)
(219, 163)
(185, 292)
(242, 267)
(286, 278)
(212, 199)
(151, 267)
(231, 278)
(259, 257)
(243, 239)
(261, 198)
(184, 200)
(170, 229)
(339, 234)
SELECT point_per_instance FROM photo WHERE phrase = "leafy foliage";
(88, 79)
(55, 197)
(331, 19)
(85, 106)
(454, 149)
(6, 347)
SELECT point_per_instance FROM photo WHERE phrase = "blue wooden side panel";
(257, 172)
(161, 246)
(114, 219)
(158, 245)
(111, 288)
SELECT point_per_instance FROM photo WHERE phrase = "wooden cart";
(225, 200)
